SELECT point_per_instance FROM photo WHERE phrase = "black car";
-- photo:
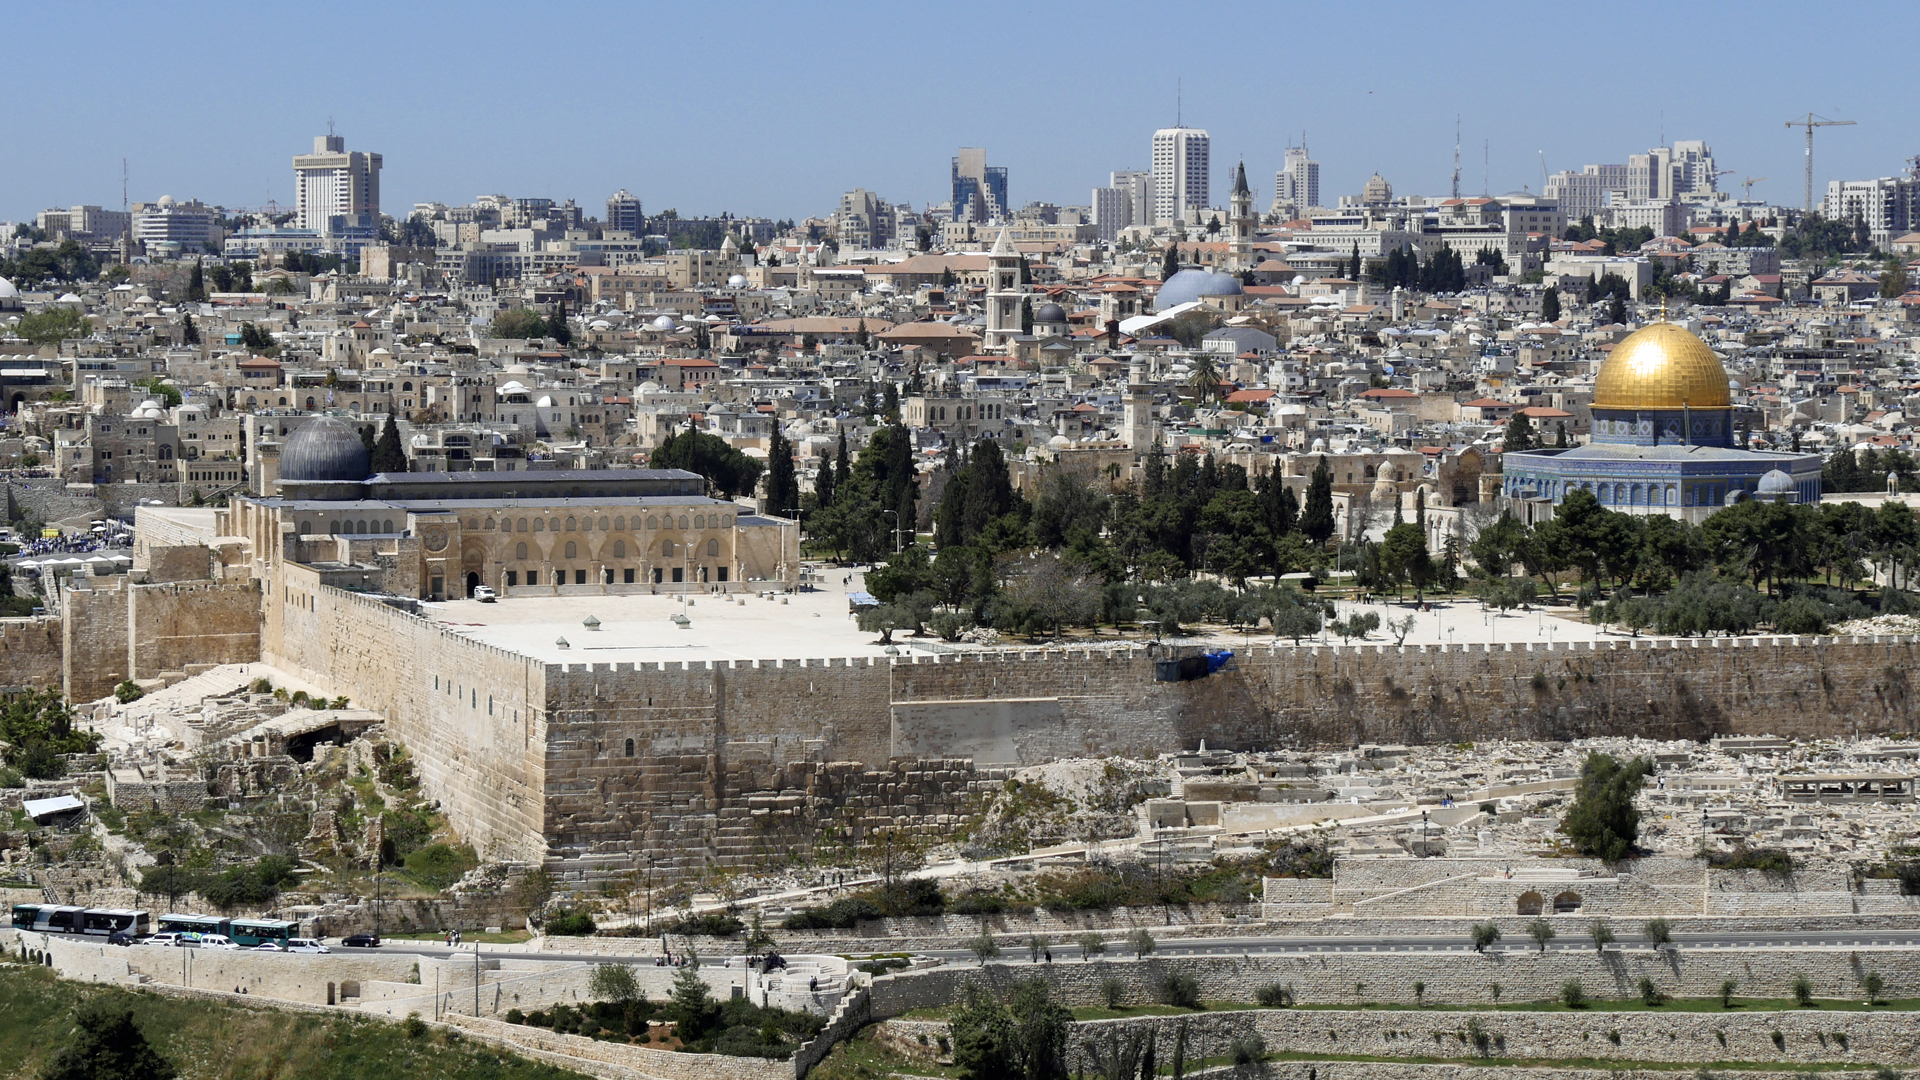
(361, 941)
(120, 937)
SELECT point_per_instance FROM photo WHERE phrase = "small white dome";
(599, 324)
(664, 322)
(544, 403)
(68, 298)
(1059, 442)
(737, 281)
(7, 291)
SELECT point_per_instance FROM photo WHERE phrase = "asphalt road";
(1014, 950)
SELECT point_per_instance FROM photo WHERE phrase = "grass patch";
(205, 1038)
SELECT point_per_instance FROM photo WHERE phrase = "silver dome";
(324, 450)
(1190, 285)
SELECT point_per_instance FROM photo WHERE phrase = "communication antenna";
(1456, 156)
(126, 237)
(1543, 171)
(1179, 92)
(1486, 166)
(329, 127)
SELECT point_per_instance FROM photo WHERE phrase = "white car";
(484, 594)
(216, 941)
(167, 938)
(306, 945)
(270, 946)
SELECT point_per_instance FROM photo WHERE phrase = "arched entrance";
(1531, 902)
(1566, 903)
(473, 582)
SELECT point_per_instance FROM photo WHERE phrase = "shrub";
(1573, 995)
(1659, 931)
(127, 692)
(1113, 991)
(1247, 1050)
(1727, 988)
(1649, 992)
(413, 1026)
(1802, 991)
(978, 902)
(1779, 1039)
(1275, 996)
(1873, 983)
(1091, 945)
(840, 915)
(710, 924)
(570, 924)
(1180, 989)
(536, 1018)
(1483, 935)
(984, 947)
(1419, 992)
(1774, 862)
(1141, 943)
(1602, 933)
(515, 1016)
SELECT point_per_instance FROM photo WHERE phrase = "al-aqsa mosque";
(1663, 440)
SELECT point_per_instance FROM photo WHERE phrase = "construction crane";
(1810, 122)
(1747, 187)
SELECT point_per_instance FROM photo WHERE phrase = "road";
(1015, 950)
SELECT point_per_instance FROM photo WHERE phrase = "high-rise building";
(979, 192)
(1126, 201)
(192, 224)
(335, 190)
(865, 220)
(1296, 187)
(623, 212)
(1889, 206)
(1182, 181)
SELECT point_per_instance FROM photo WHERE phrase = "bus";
(49, 918)
(251, 932)
(193, 924)
(104, 921)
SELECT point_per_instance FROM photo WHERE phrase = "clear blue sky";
(776, 108)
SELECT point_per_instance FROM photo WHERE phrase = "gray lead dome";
(325, 450)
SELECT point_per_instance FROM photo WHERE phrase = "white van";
(215, 941)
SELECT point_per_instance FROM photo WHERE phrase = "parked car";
(269, 946)
(361, 941)
(120, 937)
(216, 941)
(484, 594)
(306, 945)
(167, 938)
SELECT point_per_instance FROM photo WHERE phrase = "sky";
(775, 109)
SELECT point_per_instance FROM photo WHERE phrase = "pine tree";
(1520, 436)
(1550, 305)
(107, 1043)
(1617, 311)
(388, 456)
(197, 284)
(860, 335)
(189, 333)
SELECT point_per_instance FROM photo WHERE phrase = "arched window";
(520, 550)
(1566, 903)
(666, 548)
(713, 548)
(683, 522)
(605, 524)
(539, 524)
(473, 524)
(573, 550)
(570, 525)
(406, 386)
(386, 525)
(629, 747)
(619, 549)
(653, 522)
(520, 526)
(619, 524)
(700, 521)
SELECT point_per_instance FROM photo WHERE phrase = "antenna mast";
(1179, 92)
(1456, 156)
(1486, 167)
(126, 237)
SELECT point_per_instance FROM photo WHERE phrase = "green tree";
(107, 1045)
(1541, 931)
(197, 284)
(783, 485)
(53, 325)
(1170, 263)
(1550, 304)
(1404, 557)
(1603, 822)
(727, 469)
(1316, 517)
(189, 331)
(517, 323)
(614, 982)
(690, 1004)
(983, 1036)
(388, 455)
(1520, 435)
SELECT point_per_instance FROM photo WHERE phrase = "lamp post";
(896, 529)
(649, 862)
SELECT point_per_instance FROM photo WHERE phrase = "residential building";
(623, 212)
(1296, 187)
(1182, 178)
(865, 220)
(1890, 206)
(191, 225)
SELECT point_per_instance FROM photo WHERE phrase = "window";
(700, 521)
(570, 525)
(683, 522)
(513, 578)
(539, 525)
(653, 523)
(533, 577)
(656, 575)
(723, 573)
(619, 549)
(619, 524)
(520, 526)
(679, 573)
(666, 549)
(520, 551)
(573, 550)
(713, 548)
(627, 576)
(629, 747)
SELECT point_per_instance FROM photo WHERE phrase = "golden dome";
(1661, 366)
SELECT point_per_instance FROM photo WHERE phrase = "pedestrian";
(1049, 953)
(813, 983)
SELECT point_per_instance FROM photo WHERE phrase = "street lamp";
(896, 529)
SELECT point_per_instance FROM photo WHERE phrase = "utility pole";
(1809, 122)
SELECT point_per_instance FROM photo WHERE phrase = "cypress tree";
(189, 333)
(197, 284)
(783, 487)
(1550, 305)
(388, 456)
(823, 485)
(1316, 518)
(1170, 264)
(1353, 268)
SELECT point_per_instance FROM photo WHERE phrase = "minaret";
(1004, 293)
(1137, 426)
(1240, 229)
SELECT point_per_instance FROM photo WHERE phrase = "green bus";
(251, 932)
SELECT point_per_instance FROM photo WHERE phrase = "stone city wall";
(573, 1051)
(172, 626)
(472, 715)
(30, 653)
(94, 639)
(1453, 978)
